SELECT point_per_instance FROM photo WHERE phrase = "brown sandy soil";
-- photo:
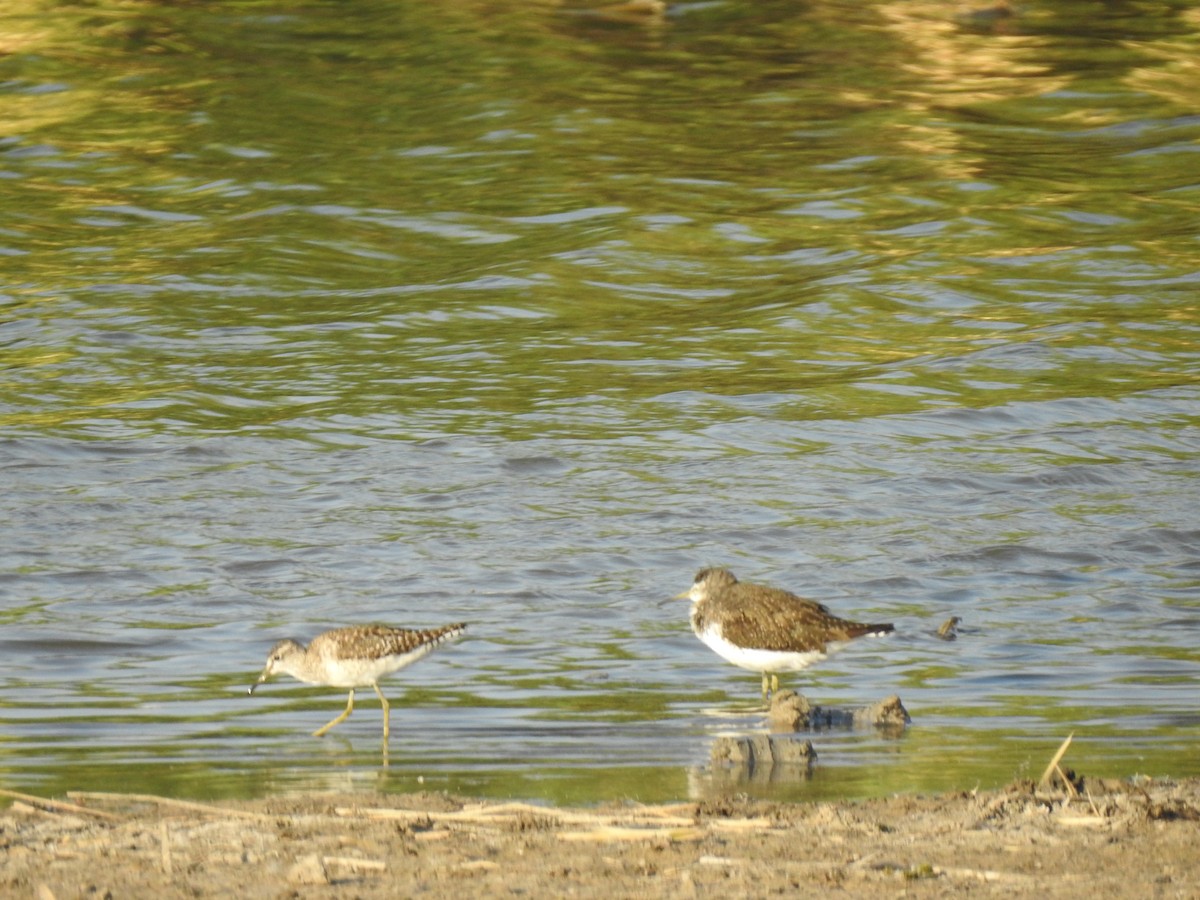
(1113, 839)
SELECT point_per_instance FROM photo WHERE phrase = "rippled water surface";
(315, 314)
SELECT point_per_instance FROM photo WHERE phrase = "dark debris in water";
(949, 629)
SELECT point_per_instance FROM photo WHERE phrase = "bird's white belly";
(759, 660)
(363, 672)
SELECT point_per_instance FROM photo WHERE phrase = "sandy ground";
(1111, 839)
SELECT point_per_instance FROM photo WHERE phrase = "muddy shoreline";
(1136, 838)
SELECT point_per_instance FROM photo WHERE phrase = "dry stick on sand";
(631, 824)
(605, 833)
(354, 864)
(1053, 767)
(56, 805)
(166, 848)
(165, 801)
(507, 811)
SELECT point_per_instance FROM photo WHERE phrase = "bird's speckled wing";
(766, 618)
(374, 641)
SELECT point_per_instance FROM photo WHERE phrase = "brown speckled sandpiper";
(766, 629)
(355, 657)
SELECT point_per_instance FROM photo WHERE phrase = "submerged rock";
(792, 712)
(756, 749)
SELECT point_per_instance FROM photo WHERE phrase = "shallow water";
(520, 315)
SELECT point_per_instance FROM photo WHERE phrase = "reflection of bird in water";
(994, 18)
(633, 11)
(766, 629)
(354, 657)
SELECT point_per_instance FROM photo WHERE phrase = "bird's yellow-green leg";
(320, 732)
(387, 711)
(770, 685)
